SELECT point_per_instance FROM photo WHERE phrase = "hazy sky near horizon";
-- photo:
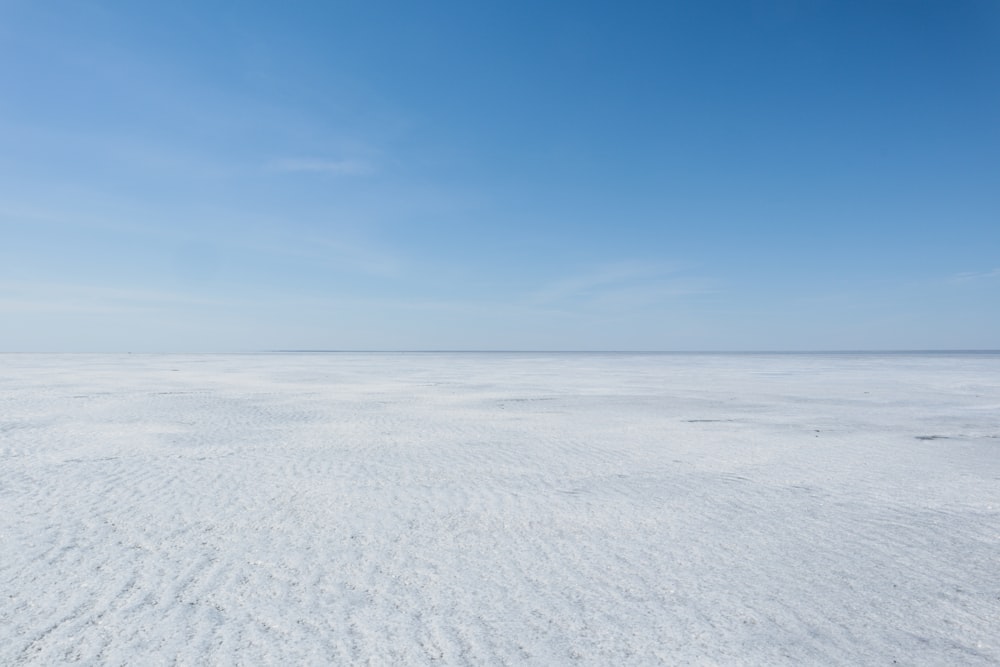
(228, 176)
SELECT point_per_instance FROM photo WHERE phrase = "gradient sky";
(231, 176)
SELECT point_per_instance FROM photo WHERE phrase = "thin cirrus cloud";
(350, 255)
(620, 283)
(969, 276)
(94, 299)
(348, 167)
(358, 257)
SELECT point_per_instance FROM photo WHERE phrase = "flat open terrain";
(500, 509)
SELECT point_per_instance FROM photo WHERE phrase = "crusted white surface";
(499, 509)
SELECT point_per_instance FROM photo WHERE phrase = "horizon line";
(609, 351)
(529, 351)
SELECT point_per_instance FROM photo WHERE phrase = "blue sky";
(228, 176)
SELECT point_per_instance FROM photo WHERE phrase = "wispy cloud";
(593, 281)
(346, 253)
(93, 299)
(629, 283)
(358, 257)
(969, 276)
(324, 166)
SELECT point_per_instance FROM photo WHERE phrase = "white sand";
(500, 509)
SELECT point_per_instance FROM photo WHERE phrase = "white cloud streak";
(969, 276)
(324, 166)
(60, 298)
(620, 284)
(345, 254)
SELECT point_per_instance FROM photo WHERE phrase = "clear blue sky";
(215, 176)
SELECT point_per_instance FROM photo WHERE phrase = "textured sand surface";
(500, 509)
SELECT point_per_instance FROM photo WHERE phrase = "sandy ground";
(500, 509)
